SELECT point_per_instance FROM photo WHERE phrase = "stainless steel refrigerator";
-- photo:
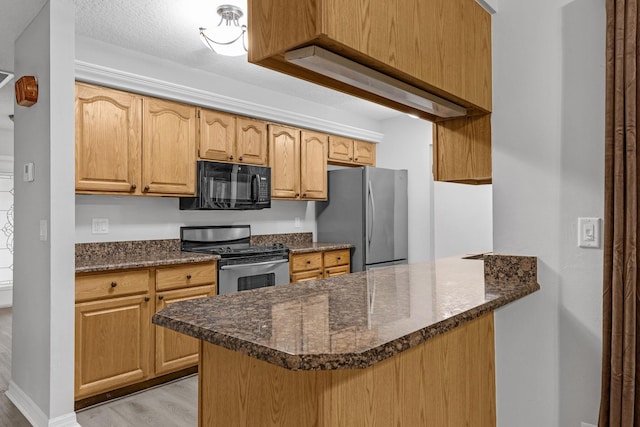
(367, 207)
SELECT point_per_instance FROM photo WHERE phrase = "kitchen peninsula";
(409, 345)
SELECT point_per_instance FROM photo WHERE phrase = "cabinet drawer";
(333, 258)
(303, 276)
(337, 271)
(309, 261)
(185, 275)
(107, 285)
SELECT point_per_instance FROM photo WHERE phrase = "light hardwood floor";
(170, 405)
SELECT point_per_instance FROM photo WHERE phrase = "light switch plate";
(28, 172)
(589, 232)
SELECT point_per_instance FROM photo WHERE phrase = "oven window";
(258, 281)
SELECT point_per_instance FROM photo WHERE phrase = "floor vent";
(5, 77)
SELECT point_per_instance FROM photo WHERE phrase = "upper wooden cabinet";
(133, 144)
(108, 137)
(169, 147)
(440, 46)
(298, 161)
(350, 152)
(230, 138)
(462, 150)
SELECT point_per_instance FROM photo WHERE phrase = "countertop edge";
(191, 258)
(346, 360)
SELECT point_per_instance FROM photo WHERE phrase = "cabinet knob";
(133, 187)
(240, 158)
(339, 258)
(114, 284)
(188, 276)
(146, 188)
(297, 194)
(230, 157)
(356, 159)
(304, 194)
(350, 158)
(146, 299)
(308, 261)
(160, 297)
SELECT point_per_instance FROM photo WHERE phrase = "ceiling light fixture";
(229, 37)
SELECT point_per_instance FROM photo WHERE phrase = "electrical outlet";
(100, 226)
(297, 222)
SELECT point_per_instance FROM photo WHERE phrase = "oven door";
(242, 277)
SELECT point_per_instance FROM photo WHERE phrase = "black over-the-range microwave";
(230, 186)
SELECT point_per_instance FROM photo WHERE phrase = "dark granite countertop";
(355, 320)
(109, 256)
(302, 248)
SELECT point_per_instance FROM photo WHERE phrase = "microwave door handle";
(255, 188)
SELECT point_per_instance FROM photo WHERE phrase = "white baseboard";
(34, 414)
(6, 296)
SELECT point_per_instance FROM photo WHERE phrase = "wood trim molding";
(98, 74)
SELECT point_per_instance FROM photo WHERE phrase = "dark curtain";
(620, 370)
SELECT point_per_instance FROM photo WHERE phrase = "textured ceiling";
(167, 29)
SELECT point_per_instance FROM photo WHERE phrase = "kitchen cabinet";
(298, 163)
(169, 147)
(462, 150)
(108, 140)
(112, 331)
(229, 138)
(351, 152)
(175, 351)
(452, 38)
(319, 264)
(115, 343)
(130, 144)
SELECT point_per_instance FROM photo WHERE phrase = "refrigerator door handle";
(373, 211)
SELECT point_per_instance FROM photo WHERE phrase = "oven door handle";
(253, 264)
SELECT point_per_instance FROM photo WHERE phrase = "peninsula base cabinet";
(448, 380)
(115, 343)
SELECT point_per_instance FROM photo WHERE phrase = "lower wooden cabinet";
(175, 351)
(116, 345)
(320, 264)
(112, 344)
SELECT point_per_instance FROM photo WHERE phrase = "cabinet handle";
(146, 299)
(114, 284)
(133, 187)
(160, 297)
(188, 276)
(240, 158)
(230, 157)
(146, 188)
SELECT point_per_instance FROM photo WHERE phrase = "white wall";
(6, 142)
(463, 221)
(148, 218)
(548, 132)
(43, 312)
(406, 145)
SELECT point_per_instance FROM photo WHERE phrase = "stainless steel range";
(242, 266)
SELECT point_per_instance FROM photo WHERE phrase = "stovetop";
(228, 241)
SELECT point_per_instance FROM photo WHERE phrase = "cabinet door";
(169, 147)
(217, 135)
(364, 153)
(251, 141)
(304, 276)
(112, 344)
(337, 271)
(340, 149)
(313, 165)
(284, 159)
(108, 132)
(174, 350)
